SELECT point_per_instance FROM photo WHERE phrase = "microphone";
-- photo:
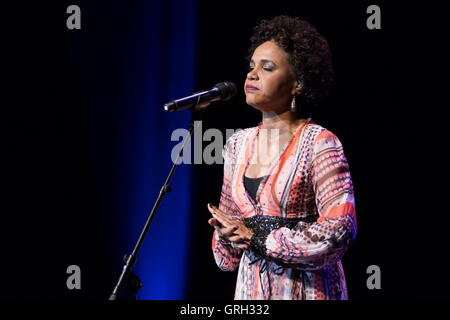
(221, 91)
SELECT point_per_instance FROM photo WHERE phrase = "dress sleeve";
(323, 242)
(226, 257)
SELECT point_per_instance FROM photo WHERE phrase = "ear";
(297, 88)
(299, 91)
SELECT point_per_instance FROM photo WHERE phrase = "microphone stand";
(133, 282)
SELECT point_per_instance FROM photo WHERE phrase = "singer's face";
(270, 83)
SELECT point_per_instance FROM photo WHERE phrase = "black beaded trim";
(263, 225)
(258, 245)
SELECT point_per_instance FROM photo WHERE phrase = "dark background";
(387, 107)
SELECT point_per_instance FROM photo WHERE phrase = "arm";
(314, 246)
(226, 257)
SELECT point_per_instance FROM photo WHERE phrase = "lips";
(249, 87)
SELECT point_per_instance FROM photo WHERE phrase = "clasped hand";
(229, 229)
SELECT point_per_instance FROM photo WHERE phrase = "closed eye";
(250, 68)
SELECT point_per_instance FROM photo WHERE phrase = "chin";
(252, 104)
(259, 108)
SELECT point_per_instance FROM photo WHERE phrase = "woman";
(286, 215)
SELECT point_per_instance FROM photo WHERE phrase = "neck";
(282, 121)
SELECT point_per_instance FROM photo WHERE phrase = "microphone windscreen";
(227, 90)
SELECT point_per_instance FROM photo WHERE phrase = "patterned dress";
(303, 218)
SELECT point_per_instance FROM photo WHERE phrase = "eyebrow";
(264, 61)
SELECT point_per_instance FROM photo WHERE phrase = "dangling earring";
(293, 106)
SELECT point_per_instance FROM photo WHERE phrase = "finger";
(239, 238)
(223, 215)
(219, 213)
(221, 223)
(242, 246)
(214, 222)
(216, 213)
(236, 238)
(214, 209)
(224, 231)
(229, 231)
(210, 208)
(223, 219)
(225, 223)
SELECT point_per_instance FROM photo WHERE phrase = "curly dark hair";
(309, 55)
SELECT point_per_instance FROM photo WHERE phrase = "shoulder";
(241, 133)
(237, 139)
(321, 134)
(323, 139)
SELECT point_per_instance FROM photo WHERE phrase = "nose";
(252, 74)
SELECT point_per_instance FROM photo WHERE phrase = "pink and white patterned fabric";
(308, 184)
